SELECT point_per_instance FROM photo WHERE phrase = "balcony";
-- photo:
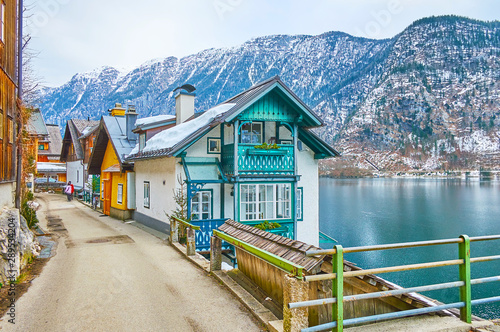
(252, 161)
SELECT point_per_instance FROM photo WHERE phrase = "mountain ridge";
(434, 84)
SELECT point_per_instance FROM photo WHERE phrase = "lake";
(359, 212)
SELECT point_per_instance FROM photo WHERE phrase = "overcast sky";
(75, 36)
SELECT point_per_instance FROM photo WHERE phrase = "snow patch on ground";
(479, 142)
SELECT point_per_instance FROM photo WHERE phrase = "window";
(251, 132)
(102, 190)
(119, 196)
(77, 176)
(213, 145)
(41, 147)
(265, 201)
(201, 205)
(2, 22)
(142, 141)
(146, 194)
(300, 203)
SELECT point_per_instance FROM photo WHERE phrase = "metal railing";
(464, 284)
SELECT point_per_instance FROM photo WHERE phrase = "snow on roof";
(45, 167)
(153, 119)
(169, 137)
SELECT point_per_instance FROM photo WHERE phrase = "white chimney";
(184, 105)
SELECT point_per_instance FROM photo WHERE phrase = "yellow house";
(114, 141)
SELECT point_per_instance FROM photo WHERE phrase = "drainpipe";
(19, 96)
(235, 171)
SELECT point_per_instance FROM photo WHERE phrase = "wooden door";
(106, 207)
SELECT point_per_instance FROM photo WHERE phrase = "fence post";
(465, 276)
(174, 231)
(191, 241)
(215, 253)
(295, 290)
(338, 288)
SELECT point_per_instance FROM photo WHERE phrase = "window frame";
(218, 141)
(299, 204)
(147, 198)
(142, 141)
(119, 194)
(211, 202)
(281, 201)
(251, 134)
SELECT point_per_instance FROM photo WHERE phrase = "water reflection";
(377, 211)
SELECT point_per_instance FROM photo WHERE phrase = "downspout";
(19, 96)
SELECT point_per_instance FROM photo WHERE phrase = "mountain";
(427, 98)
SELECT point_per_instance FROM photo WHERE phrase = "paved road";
(111, 276)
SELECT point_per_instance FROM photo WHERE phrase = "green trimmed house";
(252, 158)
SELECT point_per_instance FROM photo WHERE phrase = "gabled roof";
(36, 125)
(75, 128)
(55, 141)
(114, 129)
(198, 126)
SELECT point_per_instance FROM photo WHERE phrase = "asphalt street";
(111, 276)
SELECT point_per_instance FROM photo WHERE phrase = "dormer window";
(142, 141)
(251, 133)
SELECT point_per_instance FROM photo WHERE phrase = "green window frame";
(265, 201)
(214, 145)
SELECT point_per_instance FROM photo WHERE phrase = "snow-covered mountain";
(426, 98)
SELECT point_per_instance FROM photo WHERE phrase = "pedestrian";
(69, 191)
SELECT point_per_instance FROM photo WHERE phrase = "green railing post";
(465, 276)
(338, 288)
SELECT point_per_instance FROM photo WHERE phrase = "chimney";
(131, 117)
(118, 110)
(184, 103)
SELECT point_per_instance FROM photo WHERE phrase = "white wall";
(162, 180)
(308, 229)
(74, 172)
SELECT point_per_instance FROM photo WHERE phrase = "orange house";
(113, 142)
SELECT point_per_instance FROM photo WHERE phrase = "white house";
(252, 158)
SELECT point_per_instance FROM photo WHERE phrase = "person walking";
(69, 191)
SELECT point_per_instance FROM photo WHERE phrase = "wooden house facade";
(8, 86)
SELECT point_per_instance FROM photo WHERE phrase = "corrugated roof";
(36, 124)
(116, 127)
(113, 128)
(291, 250)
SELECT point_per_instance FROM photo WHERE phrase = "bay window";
(265, 201)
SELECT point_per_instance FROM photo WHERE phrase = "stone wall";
(18, 245)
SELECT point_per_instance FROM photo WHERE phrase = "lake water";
(361, 212)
